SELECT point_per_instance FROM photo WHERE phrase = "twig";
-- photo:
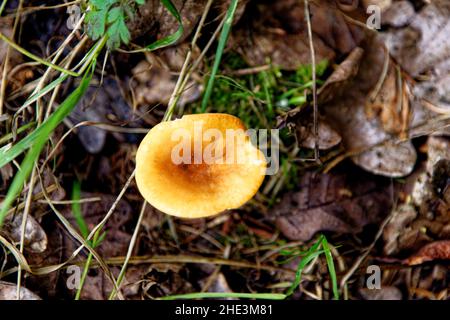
(314, 84)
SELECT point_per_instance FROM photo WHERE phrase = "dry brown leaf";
(398, 14)
(8, 291)
(422, 48)
(397, 227)
(35, 238)
(104, 104)
(427, 217)
(6, 173)
(377, 150)
(284, 50)
(341, 76)
(384, 293)
(327, 137)
(438, 250)
(279, 34)
(343, 203)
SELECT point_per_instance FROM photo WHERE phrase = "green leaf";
(140, 2)
(113, 41)
(96, 24)
(98, 3)
(129, 11)
(124, 33)
(114, 14)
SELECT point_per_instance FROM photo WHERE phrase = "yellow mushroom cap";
(198, 186)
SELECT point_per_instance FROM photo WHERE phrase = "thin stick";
(5, 66)
(314, 84)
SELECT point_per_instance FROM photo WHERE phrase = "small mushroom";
(199, 165)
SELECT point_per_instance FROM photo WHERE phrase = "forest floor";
(359, 208)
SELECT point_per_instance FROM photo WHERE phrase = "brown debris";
(377, 150)
(153, 18)
(8, 291)
(427, 217)
(279, 35)
(438, 250)
(35, 238)
(156, 77)
(384, 293)
(338, 203)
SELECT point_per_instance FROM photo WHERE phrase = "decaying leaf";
(35, 238)
(384, 293)
(327, 137)
(397, 227)
(424, 43)
(338, 202)
(279, 34)
(377, 150)
(427, 217)
(284, 50)
(398, 14)
(343, 74)
(422, 48)
(8, 291)
(101, 104)
(438, 250)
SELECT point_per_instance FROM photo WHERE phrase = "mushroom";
(199, 165)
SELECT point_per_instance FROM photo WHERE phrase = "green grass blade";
(36, 58)
(221, 46)
(45, 90)
(76, 209)
(331, 268)
(3, 6)
(20, 177)
(8, 154)
(312, 253)
(223, 295)
(10, 135)
(36, 141)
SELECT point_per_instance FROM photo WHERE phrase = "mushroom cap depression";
(198, 186)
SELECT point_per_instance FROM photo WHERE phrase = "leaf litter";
(382, 103)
